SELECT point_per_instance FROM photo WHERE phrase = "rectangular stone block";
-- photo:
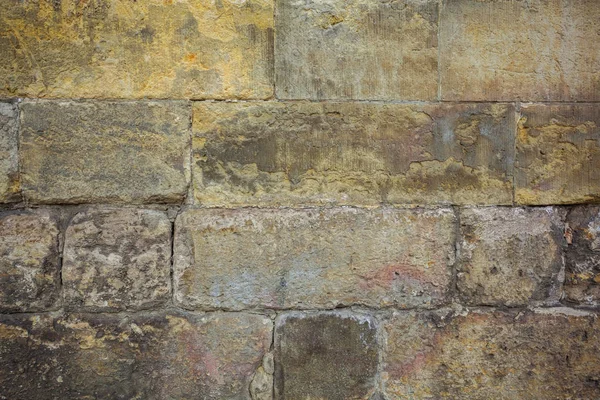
(30, 261)
(147, 49)
(530, 50)
(357, 49)
(326, 356)
(352, 153)
(110, 152)
(548, 354)
(311, 258)
(582, 280)
(117, 259)
(146, 356)
(9, 153)
(558, 154)
(510, 256)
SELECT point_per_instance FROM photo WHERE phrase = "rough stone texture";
(124, 49)
(510, 256)
(325, 356)
(509, 50)
(352, 153)
(117, 259)
(9, 156)
(29, 261)
(551, 354)
(236, 259)
(356, 49)
(150, 356)
(558, 154)
(105, 151)
(582, 281)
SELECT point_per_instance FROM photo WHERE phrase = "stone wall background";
(299, 199)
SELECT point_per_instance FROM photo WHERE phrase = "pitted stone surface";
(558, 154)
(147, 356)
(117, 259)
(534, 50)
(289, 153)
(9, 155)
(237, 259)
(357, 49)
(549, 354)
(510, 256)
(29, 261)
(184, 49)
(582, 281)
(93, 152)
(325, 356)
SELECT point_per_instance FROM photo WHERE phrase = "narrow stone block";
(9, 153)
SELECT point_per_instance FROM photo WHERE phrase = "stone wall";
(299, 199)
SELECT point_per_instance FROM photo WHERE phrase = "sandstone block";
(550, 354)
(582, 281)
(558, 154)
(510, 256)
(105, 151)
(325, 356)
(534, 50)
(357, 49)
(9, 155)
(117, 259)
(352, 153)
(146, 49)
(267, 258)
(29, 262)
(149, 356)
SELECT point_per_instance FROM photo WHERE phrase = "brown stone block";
(9, 154)
(547, 354)
(117, 259)
(531, 50)
(29, 262)
(352, 153)
(558, 154)
(357, 49)
(237, 259)
(111, 152)
(146, 49)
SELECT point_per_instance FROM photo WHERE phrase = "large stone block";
(149, 356)
(510, 256)
(582, 280)
(9, 154)
(325, 356)
(357, 49)
(147, 49)
(87, 152)
(352, 153)
(236, 259)
(558, 154)
(533, 50)
(29, 261)
(550, 354)
(117, 259)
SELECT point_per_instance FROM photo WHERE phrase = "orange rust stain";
(190, 57)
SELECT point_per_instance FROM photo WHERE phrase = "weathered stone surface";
(124, 49)
(352, 153)
(520, 50)
(116, 259)
(551, 354)
(558, 154)
(582, 280)
(29, 261)
(152, 356)
(325, 356)
(9, 155)
(356, 49)
(105, 151)
(510, 256)
(236, 259)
